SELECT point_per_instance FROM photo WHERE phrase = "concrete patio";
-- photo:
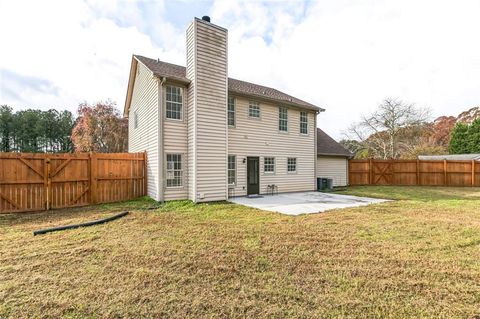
(304, 202)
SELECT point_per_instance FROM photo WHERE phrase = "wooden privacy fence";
(414, 172)
(30, 182)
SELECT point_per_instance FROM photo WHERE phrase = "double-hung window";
(232, 170)
(303, 123)
(291, 165)
(254, 109)
(174, 101)
(231, 111)
(174, 170)
(269, 165)
(282, 119)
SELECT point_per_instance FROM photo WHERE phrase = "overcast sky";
(342, 55)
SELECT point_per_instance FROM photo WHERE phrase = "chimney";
(207, 103)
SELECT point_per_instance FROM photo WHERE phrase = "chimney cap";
(206, 18)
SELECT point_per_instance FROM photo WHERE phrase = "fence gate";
(32, 182)
(382, 173)
(69, 181)
(23, 181)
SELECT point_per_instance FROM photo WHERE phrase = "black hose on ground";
(94, 222)
(152, 208)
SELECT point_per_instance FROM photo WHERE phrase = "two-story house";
(208, 136)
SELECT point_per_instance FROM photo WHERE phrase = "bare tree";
(381, 132)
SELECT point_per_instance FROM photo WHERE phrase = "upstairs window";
(254, 109)
(232, 170)
(282, 119)
(291, 165)
(269, 165)
(174, 101)
(174, 170)
(303, 123)
(231, 111)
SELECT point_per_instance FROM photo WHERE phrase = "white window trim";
(300, 123)
(274, 165)
(228, 170)
(182, 93)
(282, 131)
(183, 171)
(259, 111)
(234, 112)
(296, 166)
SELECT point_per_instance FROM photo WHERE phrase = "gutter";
(269, 99)
(161, 158)
(173, 79)
(331, 154)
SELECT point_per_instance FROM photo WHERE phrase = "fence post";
(473, 173)
(418, 173)
(145, 182)
(93, 178)
(89, 168)
(370, 172)
(46, 182)
(445, 172)
(392, 171)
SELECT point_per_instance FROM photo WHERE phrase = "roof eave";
(173, 79)
(334, 154)
(269, 99)
(131, 81)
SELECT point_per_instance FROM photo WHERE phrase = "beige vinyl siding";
(333, 167)
(261, 137)
(210, 111)
(175, 141)
(145, 136)
(190, 113)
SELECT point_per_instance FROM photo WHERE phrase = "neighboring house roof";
(452, 157)
(178, 73)
(329, 147)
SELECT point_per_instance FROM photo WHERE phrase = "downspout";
(315, 160)
(161, 158)
(315, 150)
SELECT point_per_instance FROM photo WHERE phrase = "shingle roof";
(165, 69)
(177, 72)
(328, 146)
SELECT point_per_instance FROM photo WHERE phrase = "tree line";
(401, 130)
(34, 131)
(99, 127)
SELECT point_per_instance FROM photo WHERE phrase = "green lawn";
(417, 257)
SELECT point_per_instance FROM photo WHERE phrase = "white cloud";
(347, 56)
(343, 55)
(81, 51)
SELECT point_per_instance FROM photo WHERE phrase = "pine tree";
(474, 136)
(459, 140)
(6, 128)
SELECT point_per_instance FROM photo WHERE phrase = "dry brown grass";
(418, 257)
